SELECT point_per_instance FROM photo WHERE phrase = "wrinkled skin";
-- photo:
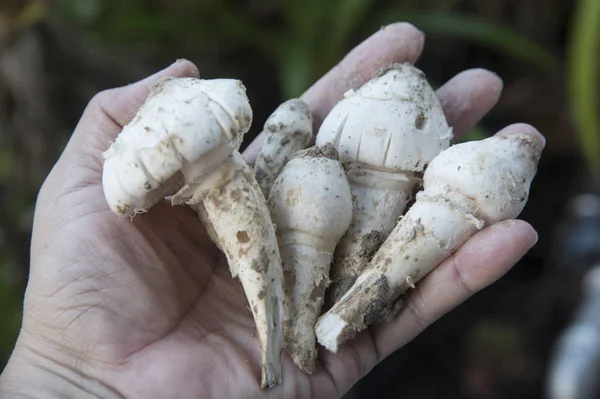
(147, 308)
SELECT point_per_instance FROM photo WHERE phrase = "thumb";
(80, 164)
(110, 110)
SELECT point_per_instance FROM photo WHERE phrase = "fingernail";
(190, 68)
(535, 238)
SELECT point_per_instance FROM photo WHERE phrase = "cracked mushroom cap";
(182, 121)
(395, 122)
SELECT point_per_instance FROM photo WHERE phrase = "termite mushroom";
(186, 137)
(311, 205)
(287, 130)
(386, 132)
(466, 187)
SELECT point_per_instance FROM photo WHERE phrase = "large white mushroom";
(467, 187)
(184, 142)
(386, 133)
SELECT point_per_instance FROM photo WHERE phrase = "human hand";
(148, 309)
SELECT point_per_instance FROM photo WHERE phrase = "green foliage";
(316, 38)
(310, 52)
(486, 33)
(583, 78)
(478, 132)
(119, 22)
(312, 36)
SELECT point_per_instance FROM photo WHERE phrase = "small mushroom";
(287, 130)
(311, 205)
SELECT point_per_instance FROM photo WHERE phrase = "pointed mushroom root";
(305, 281)
(236, 209)
(466, 187)
(386, 132)
(311, 205)
(210, 230)
(288, 130)
(182, 120)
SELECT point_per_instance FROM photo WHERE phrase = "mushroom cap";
(394, 121)
(489, 177)
(182, 120)
(311, 197)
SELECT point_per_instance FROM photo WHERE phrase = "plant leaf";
(344, 19)
(583, 64)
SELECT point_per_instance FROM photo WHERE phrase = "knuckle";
(102, 97)
(458, 275)
(418, 312)
(360, 368)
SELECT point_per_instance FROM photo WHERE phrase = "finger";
(102, 120)
(468, 97)
(110, 110)
(523, 128)
(121, 104)
(482, 260)
(399, 42)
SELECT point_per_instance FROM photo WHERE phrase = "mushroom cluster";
(324, 227)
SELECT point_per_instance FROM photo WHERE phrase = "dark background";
(54, 55)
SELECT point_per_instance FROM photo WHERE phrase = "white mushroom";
(386, 132)
(287, 130)
(466, 187)
(193, 128)
(311, 205)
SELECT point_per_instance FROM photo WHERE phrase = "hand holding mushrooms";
(167, 262)
(353, 186)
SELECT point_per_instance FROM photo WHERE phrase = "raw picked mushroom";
(386, 133)
(467, 187)
(287, 130)
(311, 205)
(189, 130)
(334, 210)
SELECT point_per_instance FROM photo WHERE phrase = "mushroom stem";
(305, 275)
(232, 202)
(210, 230)
(379, 199)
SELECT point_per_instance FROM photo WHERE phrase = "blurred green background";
(54, 55)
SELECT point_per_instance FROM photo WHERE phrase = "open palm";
(148, 309)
